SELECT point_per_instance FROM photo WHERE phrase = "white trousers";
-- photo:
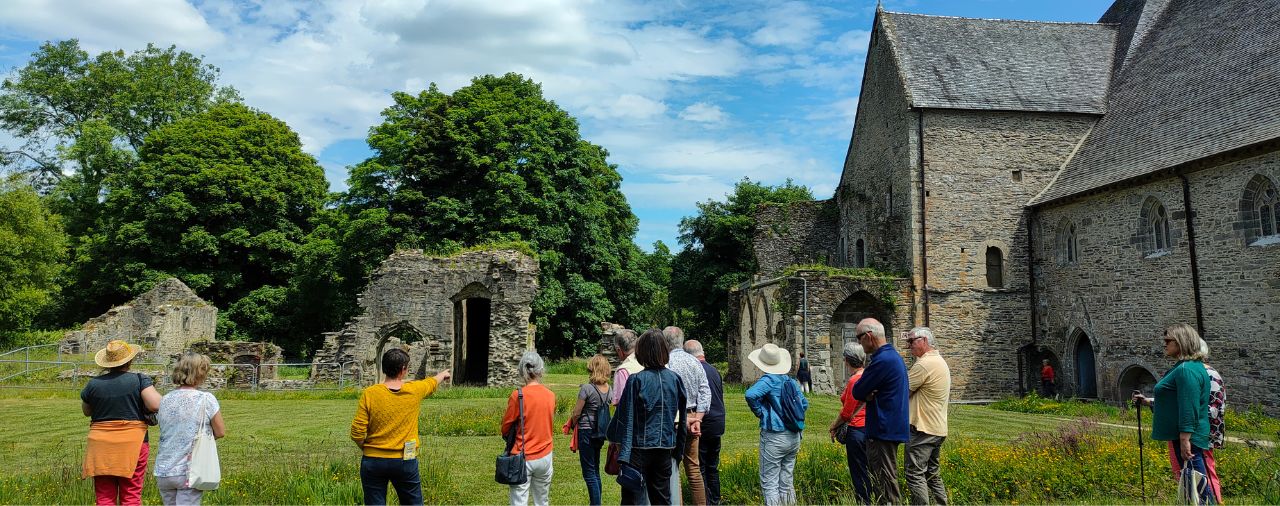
(540, 472)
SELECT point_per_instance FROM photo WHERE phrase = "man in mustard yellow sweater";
(386, 430)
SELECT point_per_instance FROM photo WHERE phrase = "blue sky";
(687, 96)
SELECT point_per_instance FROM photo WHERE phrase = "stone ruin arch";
(469, 312)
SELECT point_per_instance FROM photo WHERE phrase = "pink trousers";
(1209, 465)
(112, 490)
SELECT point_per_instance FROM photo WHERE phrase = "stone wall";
(417, 302)
(774, 312)
(980, 170)
(877, 191)
(164, 321)
(795, 233)
(1119, 295)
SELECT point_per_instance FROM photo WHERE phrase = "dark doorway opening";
(1136, 378)
(471, 318)
(843, 322)
(1086, 371)
(401, 333)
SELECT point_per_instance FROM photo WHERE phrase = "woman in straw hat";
(778, 444)
(118, 403)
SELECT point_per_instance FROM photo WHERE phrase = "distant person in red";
(1047, 388)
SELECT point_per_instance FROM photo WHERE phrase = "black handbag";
(510, 468)
(147, 416)
(631, 478)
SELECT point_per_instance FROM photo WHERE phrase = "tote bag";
(204, 472)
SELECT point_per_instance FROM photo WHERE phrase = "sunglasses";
(859, 336)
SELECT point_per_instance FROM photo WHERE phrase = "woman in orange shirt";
(853, 420)
(535, 438)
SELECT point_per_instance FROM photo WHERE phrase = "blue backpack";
(792, 405)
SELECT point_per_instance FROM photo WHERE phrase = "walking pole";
(1142, 472)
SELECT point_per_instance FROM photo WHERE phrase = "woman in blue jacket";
(649, 423)
(779, 444)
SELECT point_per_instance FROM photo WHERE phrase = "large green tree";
(496, 161)
(32, 249)
(78, 120)
(224, 201)
(718, 253)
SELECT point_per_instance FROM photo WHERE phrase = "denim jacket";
(763, 397)
(650, 401)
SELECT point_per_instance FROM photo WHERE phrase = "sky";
(688, 97)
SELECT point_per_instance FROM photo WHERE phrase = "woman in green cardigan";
(1181, 403)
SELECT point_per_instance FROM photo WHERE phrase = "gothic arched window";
(1155, 228)
(1260, 208)
(995, 267)
(860, 254)
(1068, 246)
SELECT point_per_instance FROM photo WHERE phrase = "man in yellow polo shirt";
(930, 386)
(386, 430)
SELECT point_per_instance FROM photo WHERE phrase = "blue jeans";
(855, 446)
(589, 457)
(375, 472)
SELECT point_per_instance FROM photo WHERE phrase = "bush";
(11, 340)
(1033, 403)
(568, 366)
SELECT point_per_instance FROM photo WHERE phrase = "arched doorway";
(396, 334)
(1139, 378)
(844, 320)
(472, 312)
(1086, 369)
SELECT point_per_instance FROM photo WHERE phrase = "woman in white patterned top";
(184, 412)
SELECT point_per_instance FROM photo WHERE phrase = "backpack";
(602, 418)
(791, 406)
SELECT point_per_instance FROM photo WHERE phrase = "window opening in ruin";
(1016, 176)
(844, 253)
(995, 267)
(1268, 211)
(471, 340)
(1086, 370)
(860, 253)
(400, 333)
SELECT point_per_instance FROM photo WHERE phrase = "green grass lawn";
(292, 447)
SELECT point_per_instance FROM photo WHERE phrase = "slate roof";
(992, 64)
(1205, 80)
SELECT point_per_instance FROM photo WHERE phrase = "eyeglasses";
(1167, 340)
(859, 336)
(912, 340)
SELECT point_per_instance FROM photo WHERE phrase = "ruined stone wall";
(411, 301)
(980, 170)
(795, 233)
(165, 320)
(774, 312)
(1120, 295)
(876, 194)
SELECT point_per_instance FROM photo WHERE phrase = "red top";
(539, 409)
(1046, 373)
(848, 404)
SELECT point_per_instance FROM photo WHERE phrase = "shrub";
(569, 366)
(1033, 403)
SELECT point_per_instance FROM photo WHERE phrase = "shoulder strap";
(520, 396)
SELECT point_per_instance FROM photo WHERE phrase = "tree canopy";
(719, 254)
(496, 161)
(32, 250)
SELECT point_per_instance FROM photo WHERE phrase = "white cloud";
(703, 112)
(111, 25)
(853, 42)
(792, 24)
(628, 106)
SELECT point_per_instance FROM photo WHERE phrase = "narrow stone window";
(995, 267)
(1260, 212)
(1156, 237)
(860, 254)
(1070, 248)
(1016, 176)
(844, 251)
(1268, 212)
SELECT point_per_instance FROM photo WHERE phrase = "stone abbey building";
(1056, 191)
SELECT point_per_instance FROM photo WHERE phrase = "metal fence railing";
(19, 369)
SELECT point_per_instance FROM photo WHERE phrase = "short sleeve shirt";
(592, 399)
(116, 396)
(183, 413)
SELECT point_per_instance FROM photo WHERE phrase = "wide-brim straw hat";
(771, 359)
(116, 354)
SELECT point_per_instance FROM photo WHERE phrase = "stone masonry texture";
(416, 302)
(164, 321)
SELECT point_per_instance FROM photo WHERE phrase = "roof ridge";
(1085, 23)
(1062, 168)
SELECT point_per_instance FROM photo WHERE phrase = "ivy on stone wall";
(883, 282)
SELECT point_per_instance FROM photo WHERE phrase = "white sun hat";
(771, 359)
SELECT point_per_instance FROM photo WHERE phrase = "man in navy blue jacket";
(885, 390)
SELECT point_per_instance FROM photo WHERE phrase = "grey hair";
(531, 366)
(874, 327)
(1204, 349)
(625, 340)
(855, 355)
(694, 348)
(674, 337)
(925, 333)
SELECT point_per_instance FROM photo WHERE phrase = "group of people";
(121, 405)
(664, 410)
